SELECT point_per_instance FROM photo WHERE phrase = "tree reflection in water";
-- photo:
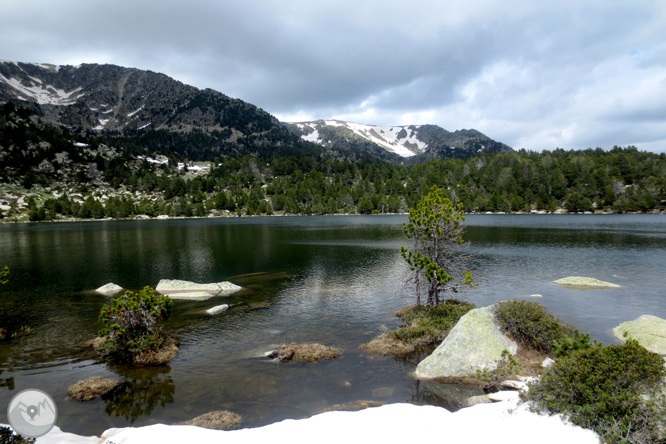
(141, 390)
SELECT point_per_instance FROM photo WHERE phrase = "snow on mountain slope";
(34, 89)
(401, 140)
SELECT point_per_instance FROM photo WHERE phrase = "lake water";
(336, 280)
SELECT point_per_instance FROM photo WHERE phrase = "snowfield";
(400, 140)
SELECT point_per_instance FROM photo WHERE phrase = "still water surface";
(336, 280)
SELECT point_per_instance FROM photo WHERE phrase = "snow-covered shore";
(501, 422)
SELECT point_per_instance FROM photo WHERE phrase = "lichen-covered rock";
(109, 288)
(177, 289)
(584, 283)
(475, 343)
(648, 330)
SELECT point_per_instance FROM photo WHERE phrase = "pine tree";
(435, 226)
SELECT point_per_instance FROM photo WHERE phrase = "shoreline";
(232, 216)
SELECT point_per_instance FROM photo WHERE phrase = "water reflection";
(140, 391)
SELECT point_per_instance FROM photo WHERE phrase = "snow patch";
(43, 94)
(387, 137)
(102, 122)
(134, 112)
(163, 160)
(503, 422)
(312, 137)
(145, 126)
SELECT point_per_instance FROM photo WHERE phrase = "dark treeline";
(619, 180)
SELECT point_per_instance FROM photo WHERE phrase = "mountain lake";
(336, 280)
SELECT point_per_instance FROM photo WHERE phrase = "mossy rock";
(584, 283)
(217, 420)
(649, 331)
(304, 353)
(162, 356)
(91, 388)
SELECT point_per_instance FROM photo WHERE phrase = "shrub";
(569, 344)
(4, 275)
(530, 324)
(421, 326)
(429, 325)
(131, 322)
(507, 366)
(616, 391)
(7, 436)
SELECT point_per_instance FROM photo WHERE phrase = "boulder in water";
(475, 343)
(109, 288)
(648, 330)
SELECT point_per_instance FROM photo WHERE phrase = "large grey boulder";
(177, 289)
(475, 343)
(648, 330)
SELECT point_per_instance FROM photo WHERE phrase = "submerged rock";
(474, 400)
(648, 330)
(453, 393)
(304, 353)
(584, 283)
(217, 309)
(109, 288)
(475, 343)
(177, 289)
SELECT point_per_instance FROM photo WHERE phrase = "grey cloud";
(528, 71)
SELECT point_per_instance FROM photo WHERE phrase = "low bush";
(531, 325)
(616, 391)
(421, 326)
(429, 325)
(7, 436)
(132, 328)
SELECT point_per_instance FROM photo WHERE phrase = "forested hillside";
(621, 180)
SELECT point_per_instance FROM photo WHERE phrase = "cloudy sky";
(530, 73)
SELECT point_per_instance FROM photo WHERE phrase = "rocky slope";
(143, 109)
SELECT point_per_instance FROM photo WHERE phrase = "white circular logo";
(32, 413)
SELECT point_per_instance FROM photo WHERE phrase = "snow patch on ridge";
(400, 140)
(134, 112)
(41, 93)
(312, 137)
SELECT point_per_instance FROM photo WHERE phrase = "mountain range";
(150, 113)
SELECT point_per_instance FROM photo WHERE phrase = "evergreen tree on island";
(435, 226)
